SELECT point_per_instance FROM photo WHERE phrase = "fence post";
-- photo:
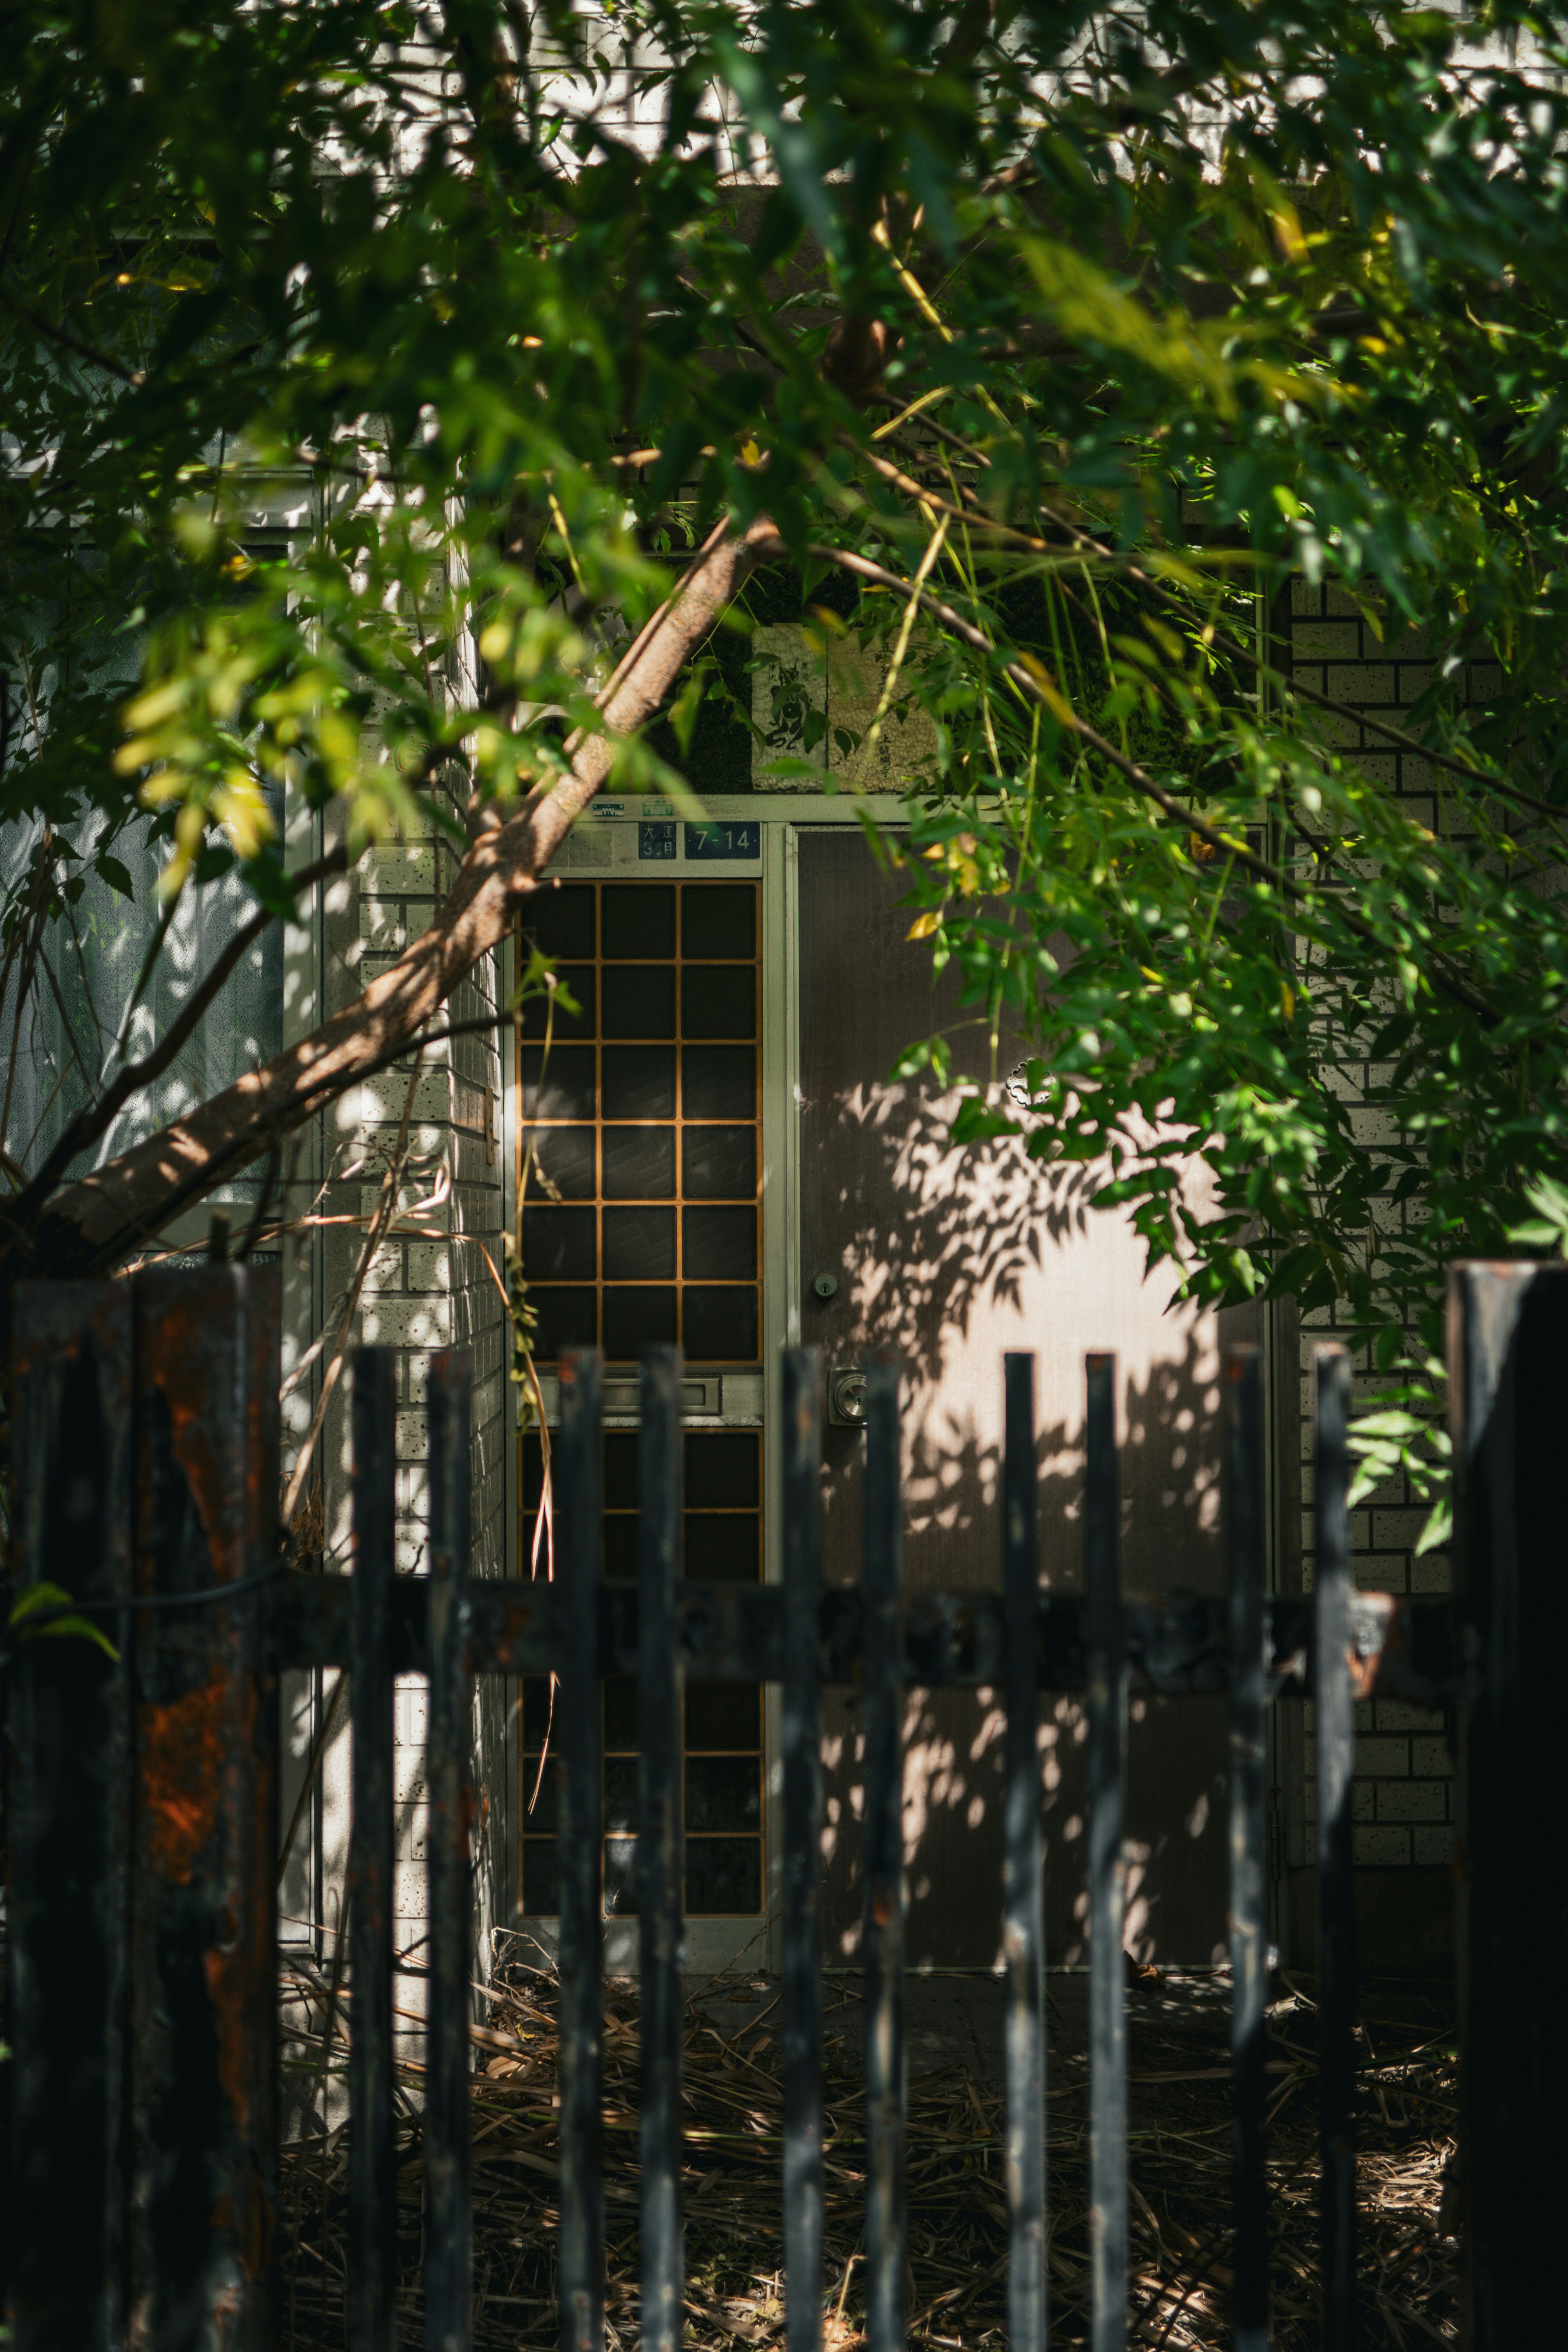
(64, 2204)
(1023, 1931)
(205, 1843)
(1334, 1723)
(884, 1918)
(801, 1396)
(373, 2180)
(1249, 1886)
(1507, 1360)
(661, 1891)
(1107, 1864)
(581, 2253)
(448, 2268)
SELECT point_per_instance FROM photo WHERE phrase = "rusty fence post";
(204, 1837)
(64, 2202)
(1508, 1359)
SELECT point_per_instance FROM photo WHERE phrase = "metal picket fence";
(142, 1815)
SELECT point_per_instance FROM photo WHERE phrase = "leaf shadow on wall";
(951, 1256)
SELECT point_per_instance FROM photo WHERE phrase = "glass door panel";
(639, 1196)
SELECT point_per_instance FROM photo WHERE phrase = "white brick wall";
(437, 1290)
(1402, 1799)
(428, 1287)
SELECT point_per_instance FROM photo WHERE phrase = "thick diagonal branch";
(93, 1223)
(99, 1115)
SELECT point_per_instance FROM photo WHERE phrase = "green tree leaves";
(370, 374)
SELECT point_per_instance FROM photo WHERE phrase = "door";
(953, 1258)
(639, 1193)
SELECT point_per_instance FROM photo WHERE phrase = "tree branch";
(91, 1224)
(99, 1117)
(1232, 646)
(69, 342)
(1139, 778)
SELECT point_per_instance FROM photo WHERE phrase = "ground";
(1179, 2123)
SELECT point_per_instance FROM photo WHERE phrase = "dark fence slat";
(659, 1872)
(373, 2184)
(802, 2181)
(1106, 1867)
(1334, 1724)
(63, 2215)
(448, 2266)
(1508, 1361)
(884, 1913)
(1023, 1939)
(578, 1734)
(1249, 1885)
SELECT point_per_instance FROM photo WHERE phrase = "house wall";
(1402, 1836)
(424, 1292)
(429, 1284)
(433, 1287)
(1403, 1831)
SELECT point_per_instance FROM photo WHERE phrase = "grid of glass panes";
(639, 1136)
(722, 1761)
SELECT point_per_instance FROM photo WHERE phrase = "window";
(640, 1180)
(723, 1737)
(640, 1163)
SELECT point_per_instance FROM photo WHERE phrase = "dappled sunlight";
(953, 1257)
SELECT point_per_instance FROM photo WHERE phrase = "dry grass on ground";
(1180, 2169)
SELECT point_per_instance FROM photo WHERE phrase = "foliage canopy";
(1053, 341)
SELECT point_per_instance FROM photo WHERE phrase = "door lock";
(826, 1285)
(847, 1396)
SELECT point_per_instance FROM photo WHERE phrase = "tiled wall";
(429, 1287)
(1403, 1789)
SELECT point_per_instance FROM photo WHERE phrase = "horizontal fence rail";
(1399, 1648)
(145, 1473)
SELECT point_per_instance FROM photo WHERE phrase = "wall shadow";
(954, 1256)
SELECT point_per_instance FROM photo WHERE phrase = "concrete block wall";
(431, 1284)
(1403, 1828)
